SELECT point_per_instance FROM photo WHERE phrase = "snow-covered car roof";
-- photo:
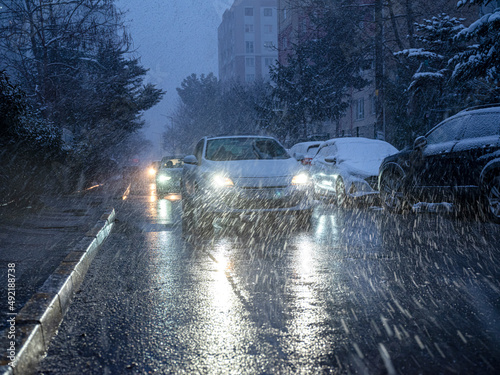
(361, 154)
(346, 141)
(302, 147)
(240, 136)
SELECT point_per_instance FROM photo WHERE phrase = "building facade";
(248, 40)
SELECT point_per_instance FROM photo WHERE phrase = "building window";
(373, 104)
(250, 61)
(248, 11)
(249, 47)
(268, 12)
(269, 45)
(360, 109)
(249, 28)
(303, 26)
(268, 29)
(284, 14)
(268, 61)
(249, 77)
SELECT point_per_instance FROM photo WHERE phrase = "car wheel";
(492, 200)
(391, 194)
(340, 192)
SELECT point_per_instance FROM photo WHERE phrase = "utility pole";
(169, 135)
(379, 70)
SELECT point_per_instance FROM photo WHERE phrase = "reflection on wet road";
(359, 291)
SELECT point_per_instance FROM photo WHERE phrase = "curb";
(27, 339)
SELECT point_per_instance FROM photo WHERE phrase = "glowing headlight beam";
(300, 179)
(222, 181)
(164, 178)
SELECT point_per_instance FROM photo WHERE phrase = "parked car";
(245, 177)
(347, 168)
(457, 161)
(168, 178)
(304, 151)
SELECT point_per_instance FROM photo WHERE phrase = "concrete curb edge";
(29, 335)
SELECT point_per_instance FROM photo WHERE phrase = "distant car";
(168, 177)
(456, 161)
(347, 168)
(245, 177)
(305, 151)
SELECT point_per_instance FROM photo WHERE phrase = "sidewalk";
(36, 241)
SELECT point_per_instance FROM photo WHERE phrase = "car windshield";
(172, 163)
(225, 149)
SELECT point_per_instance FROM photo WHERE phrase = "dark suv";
(458, 160)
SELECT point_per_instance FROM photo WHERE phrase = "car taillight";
(306, 161)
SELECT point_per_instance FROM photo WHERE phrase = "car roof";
(239, 136)
(353, 140)
(308, 143)
(491, 108)
(495, 107)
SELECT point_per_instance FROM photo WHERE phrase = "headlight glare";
(221, 181)
(163, 178)
(300, 179)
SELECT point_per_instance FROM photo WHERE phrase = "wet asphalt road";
(360, 291)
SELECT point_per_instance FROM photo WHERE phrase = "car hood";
(362, 169)
(258, 173)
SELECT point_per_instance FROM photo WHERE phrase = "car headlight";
(164, 178)
(221, 181)
(301, 179)
(151, 171)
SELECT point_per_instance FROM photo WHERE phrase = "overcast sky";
(173, 38)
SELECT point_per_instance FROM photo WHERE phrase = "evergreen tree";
(480, 62)
(313, 84)
(424, 79)
(22, 127)
(71, 59)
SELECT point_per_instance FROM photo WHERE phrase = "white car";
(305, 151)
(347, 168)
(244, 177)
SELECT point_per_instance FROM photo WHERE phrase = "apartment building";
(248, 40)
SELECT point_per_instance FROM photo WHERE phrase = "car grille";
(252, 199)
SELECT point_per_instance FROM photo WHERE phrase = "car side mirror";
(420, 143)
(190, 159)
(331, 159)
(299, 157)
